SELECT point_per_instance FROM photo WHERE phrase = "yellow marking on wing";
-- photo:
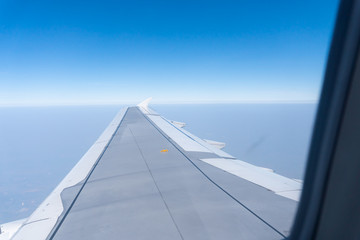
(164, 150)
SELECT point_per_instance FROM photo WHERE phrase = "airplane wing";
(148, 178)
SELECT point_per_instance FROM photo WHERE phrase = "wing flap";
(280, 185)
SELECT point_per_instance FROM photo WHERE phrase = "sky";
(115, 52)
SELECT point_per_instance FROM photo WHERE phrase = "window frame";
(334, 104)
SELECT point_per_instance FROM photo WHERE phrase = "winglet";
(144, 107)
(145, 103)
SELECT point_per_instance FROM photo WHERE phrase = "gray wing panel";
(138, 192)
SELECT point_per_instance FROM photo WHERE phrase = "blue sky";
(109, 52)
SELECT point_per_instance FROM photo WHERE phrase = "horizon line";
(63, 104)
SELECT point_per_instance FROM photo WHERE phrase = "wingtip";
(145, 103)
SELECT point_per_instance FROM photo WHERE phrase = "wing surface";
(148, 178)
